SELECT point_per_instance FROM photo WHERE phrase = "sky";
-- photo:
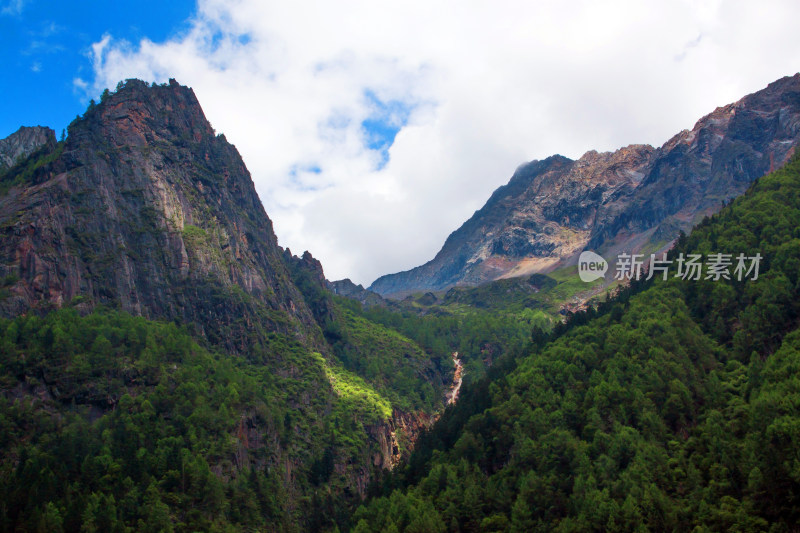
(373, 129)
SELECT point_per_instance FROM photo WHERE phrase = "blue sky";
(44, 46)
(384, 122)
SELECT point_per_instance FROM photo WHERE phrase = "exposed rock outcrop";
(147, 209)
(23, 143)
(348, 289)
(396, 438)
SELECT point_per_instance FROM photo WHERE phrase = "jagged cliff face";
(144, 207)
(695, 171)
(23, 143)
(348, 289)
(637, 196)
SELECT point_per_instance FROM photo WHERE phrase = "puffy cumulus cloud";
(374, 129)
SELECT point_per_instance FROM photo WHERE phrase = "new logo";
(591, 266)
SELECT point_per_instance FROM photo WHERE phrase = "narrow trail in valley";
(452, 394)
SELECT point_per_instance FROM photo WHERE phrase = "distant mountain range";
(636, 198)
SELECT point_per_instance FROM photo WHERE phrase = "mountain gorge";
(637, 198)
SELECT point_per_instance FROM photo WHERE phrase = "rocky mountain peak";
(24, 142)
(632, 153)
(308, 264)
(145, 208)
(138, 114)
(348, 289)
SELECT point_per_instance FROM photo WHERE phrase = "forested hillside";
(675, 407)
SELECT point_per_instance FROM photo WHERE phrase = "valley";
(165, 365)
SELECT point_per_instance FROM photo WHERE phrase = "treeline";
(394, 364)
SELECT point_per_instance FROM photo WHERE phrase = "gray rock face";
(23, 142)
(637, 196)
(348, 289)
(145, 208)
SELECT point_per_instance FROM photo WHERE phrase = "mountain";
(348, 289)
(145, 207)
(24, 142)
(673, 406)
(637, 197)
(166, 365)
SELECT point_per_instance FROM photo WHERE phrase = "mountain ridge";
(635, 197)
(23, 142)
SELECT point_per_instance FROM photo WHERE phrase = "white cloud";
(488, 85)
